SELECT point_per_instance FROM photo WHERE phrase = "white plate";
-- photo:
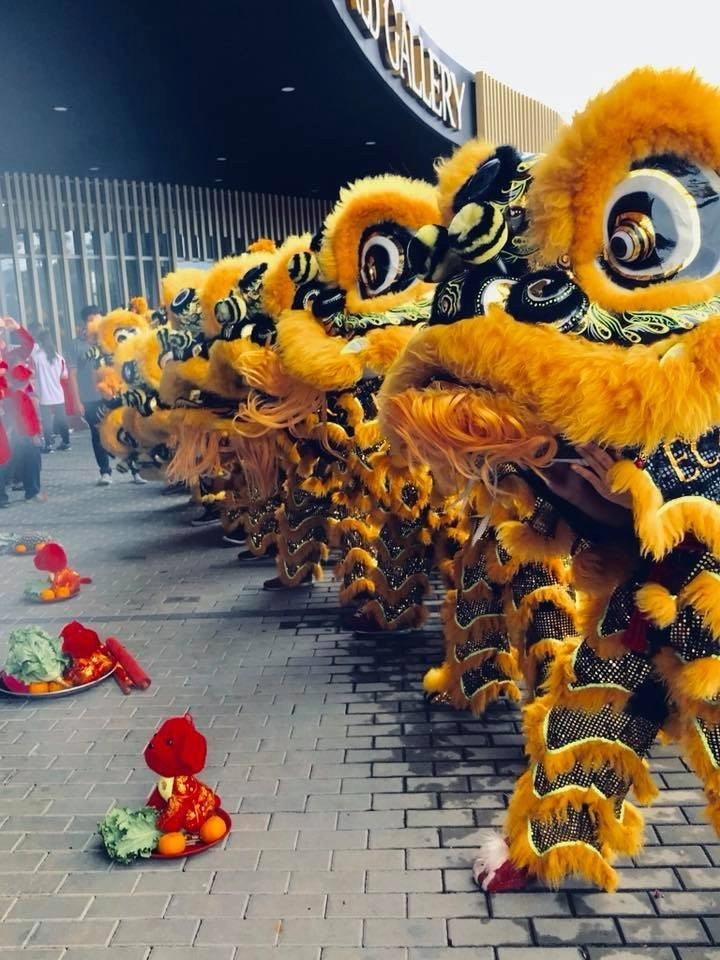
(67, 692)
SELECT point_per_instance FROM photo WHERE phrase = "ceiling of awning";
(159, 90)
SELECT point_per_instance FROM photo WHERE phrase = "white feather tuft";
(492, 855)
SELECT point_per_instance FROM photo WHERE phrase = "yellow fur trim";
(260, 463)
(226, 375)
(198, 451)
(436, 679)
(367, 435)
(703, 593)
(657, 603)
(661, 526)
(221, 280)
(591, 754)
(179, 378)
(455, 636)
(453, 172)
(278, 290)
(601, 570)
(544, 367)
(525, 544)
(705, 766)
(298, 575)
(690, 682)
(119, 322)
(560, 688)
(649, 112)
(556, 594)
(491, 693)
(187, 278)
(139, 305)
(384, 346)
(144, 349)
(503, 570)
(150, 431)
(394, 595)
(307, 554)
(109, 382)
(533, 660)
(370, 201)
(110, 424)
(413, 616)
(560, 861)
(309, 354)
(262, 245)
(355, 557)
(483, 697)
(359, 586)
(458, 433)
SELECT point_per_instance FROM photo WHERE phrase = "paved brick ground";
(356, 807)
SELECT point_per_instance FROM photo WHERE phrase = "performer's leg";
(480, 665)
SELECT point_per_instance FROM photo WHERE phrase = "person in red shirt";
(20, 419)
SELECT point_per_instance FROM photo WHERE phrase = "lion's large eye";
(663, 221)
(383, 260)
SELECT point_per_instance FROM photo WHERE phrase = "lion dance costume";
(611, 339)
(342, 345)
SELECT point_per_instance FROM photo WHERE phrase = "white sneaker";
(105, 480)
(236, 539)
(136, 478)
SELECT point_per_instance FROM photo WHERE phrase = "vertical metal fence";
(506, 116)
(66, 241)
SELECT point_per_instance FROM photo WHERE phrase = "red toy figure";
(177, 751)
(64, 581)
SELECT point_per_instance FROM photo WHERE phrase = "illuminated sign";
(424, 71)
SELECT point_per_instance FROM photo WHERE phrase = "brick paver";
(356, 806)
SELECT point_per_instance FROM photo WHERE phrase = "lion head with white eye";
(370, 296)
(612, 336)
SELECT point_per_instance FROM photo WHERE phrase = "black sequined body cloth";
(650, 659)
(387, 537)
(512, 606)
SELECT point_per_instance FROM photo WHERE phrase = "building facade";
(66, 242)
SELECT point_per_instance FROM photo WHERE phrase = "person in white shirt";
(50, 371)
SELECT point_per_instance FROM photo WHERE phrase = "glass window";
(113, 274)
(5, 240)
(94, 279)
(10, 301)
(133, 278)
(53, 240)
(44, 308)
(109, 244)
(164, 244)
(63, 316)
(30, 314)
(77, 288)
(130, 244)
(148, 248)
(152, 294)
